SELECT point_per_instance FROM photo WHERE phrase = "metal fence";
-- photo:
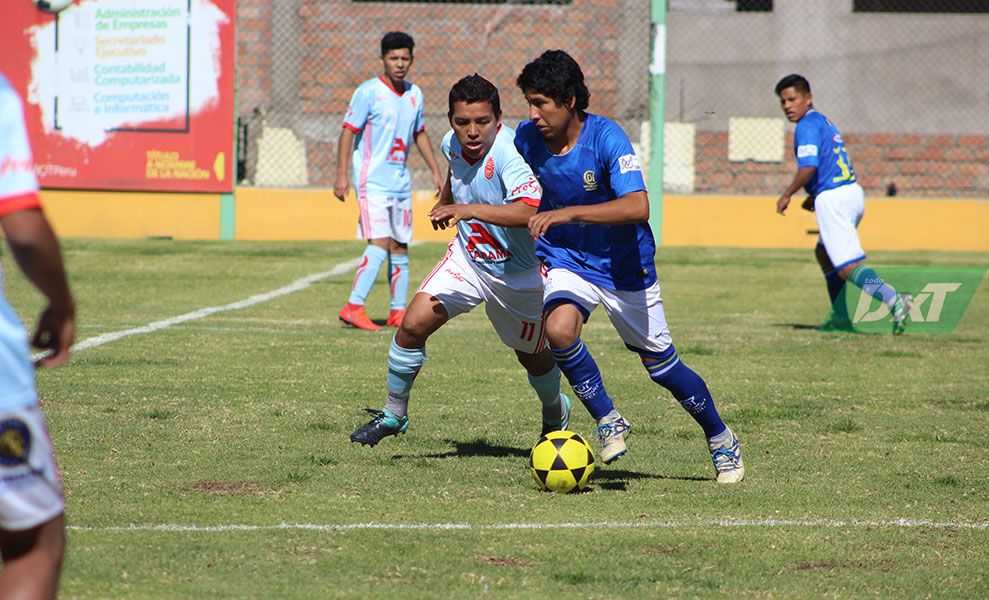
(902, 79)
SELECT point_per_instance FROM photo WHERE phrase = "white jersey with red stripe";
(500, 177)
(18, 191)
(386, 124)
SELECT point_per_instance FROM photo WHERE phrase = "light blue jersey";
(500, 177)
(601, 167)
(817, 143)
(386, 124)
(18, 191)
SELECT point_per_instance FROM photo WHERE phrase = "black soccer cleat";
(379, 427)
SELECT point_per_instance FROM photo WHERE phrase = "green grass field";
(193, 455)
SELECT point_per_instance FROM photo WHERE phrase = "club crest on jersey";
(590, 182)
(15, 442)
(489, 167)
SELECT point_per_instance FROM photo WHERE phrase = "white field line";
(837, 523)
(202, 313)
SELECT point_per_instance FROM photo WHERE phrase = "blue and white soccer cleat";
(561, 423)
(727, 459)
(611, 433)
(381, 426)
(901, 309)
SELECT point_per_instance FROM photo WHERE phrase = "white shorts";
(385, 217)
(838, 214)
(638, 316)
(30, 489)
(513, 303)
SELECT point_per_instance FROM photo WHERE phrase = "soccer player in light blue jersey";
(593, 238)
(32, 525)
(825, 172)
(385, 117)
(490, 194)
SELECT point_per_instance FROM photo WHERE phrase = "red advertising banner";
(124, 95)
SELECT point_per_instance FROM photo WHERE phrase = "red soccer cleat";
(395, 318)
(354, 314)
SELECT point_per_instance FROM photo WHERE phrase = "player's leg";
(514, 305)
(32, 560)
(32, 530)
(569, 301)
(838, 217)
(398, 258)
(373, 225)
(835, 283)
(449, 290)
(640, 320)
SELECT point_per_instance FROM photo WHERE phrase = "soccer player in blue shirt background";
(385, 117)
(838, 202)
(593, 239)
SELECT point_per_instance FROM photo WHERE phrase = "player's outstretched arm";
(426, 150)
(630, 208)
(345, 146)
(35, 248)
(804, 176)
(516, 214)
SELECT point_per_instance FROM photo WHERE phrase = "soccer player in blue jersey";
(32, 525)
(838, 202)
(593, 239)
(490, 194)
(385, 117)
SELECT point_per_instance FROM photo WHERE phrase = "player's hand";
(539, 223)
(437, 184)
(56, 332)
(448, 215)
(782, 203)
(808, 203)
(341, 187)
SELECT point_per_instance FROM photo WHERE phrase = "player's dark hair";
(396, 40)
(557, 75)
(797, 82)
(473, 89)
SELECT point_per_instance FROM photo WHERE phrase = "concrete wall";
(879, 72)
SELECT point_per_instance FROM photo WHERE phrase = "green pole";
(657, 105)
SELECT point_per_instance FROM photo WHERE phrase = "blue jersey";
(18, 191)
(386, 124)
(601, 167)
(500, 177)
(817, 143)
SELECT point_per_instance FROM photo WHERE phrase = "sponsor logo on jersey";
(492, 252)
(529, 188)
(489, 167)
(590, 182)
(15, 442)
(15, 165)
(837, 138)
(806, 150)
(628, 163)
(397, 152)
(454, 155)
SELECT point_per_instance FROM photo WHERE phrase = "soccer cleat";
(901, 308)
(562, 422)
(354, 314)
(727, 459)
(395, 318)
(611, 433)
(379, 427)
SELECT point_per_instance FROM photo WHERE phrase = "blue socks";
(585, 378)
(403, 366)
(835, 283)
(689, 390)
(547, 387)
(367, 273)
(398, 275)
(872, 284)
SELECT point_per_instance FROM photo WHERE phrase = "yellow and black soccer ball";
(561, 461)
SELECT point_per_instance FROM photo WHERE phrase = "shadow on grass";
(797, 326)
(617, 479)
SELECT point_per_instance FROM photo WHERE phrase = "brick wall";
(917, 165)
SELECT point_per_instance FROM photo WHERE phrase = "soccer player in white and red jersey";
(490, 194)
(385, 117)
(32, 529)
